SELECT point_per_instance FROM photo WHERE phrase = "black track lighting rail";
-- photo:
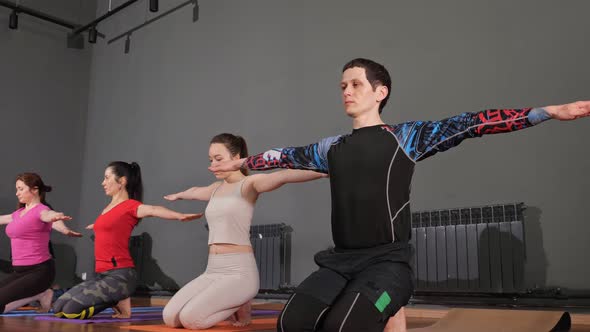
(76, 29)
(102, 18)
(38, 14)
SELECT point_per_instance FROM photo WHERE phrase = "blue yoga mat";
(142, 316)
(20, 313)
(104, 318)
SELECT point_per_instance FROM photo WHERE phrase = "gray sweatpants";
(229, 281)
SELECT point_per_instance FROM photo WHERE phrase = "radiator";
(272, 249)
(475, 250)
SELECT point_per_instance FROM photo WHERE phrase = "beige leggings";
(229, 281)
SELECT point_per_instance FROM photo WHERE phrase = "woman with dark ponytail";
(231, 280)
(29, 229)
(116, 278)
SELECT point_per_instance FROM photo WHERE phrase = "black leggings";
(352, 312)
(353, 290)
(93, 296)
(26, 281)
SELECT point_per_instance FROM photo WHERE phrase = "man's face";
(357, 93)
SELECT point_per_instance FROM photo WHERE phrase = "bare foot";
(243, 315)
(117, 312)
(123, 309)
(45, 300)
(397, 323)
(232, 319)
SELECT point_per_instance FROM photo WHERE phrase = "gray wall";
(43, 105)
(269, 70)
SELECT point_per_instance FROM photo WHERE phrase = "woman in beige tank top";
(231, 280)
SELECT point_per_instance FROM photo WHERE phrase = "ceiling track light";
(154, 6)
(127, 43)
(13, 20)
(92, 34)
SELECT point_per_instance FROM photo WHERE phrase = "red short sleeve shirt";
(112, 231)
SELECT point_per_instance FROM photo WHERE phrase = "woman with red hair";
(29, 229)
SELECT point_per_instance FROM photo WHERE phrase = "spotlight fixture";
(196, 11)
(153, 6)
(92, 33)
(127, 43)
(13, 20)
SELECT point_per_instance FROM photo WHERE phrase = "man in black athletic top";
(366, 278)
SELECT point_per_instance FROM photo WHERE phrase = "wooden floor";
(416, 317)
(28, 324)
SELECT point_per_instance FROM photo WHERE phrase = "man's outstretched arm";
(311, 157)
(423, 139)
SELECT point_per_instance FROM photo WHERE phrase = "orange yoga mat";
(268, 306)
(258, 324)
(27, 308)
(494, 320)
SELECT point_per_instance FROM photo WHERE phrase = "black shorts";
(382, 274)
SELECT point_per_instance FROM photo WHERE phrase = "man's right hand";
(227, 166)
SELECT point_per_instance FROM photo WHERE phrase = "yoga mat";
(258, 324)
(20, 313)
(103, 318)
(268, 306)
(265, 312)
(494, 320)
(27, 308)
(137, 309)
(25, 313)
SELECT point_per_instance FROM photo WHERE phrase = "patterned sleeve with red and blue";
(311, 157)
(422, 139)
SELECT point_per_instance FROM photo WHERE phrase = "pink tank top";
(29, 236)
(229, 216)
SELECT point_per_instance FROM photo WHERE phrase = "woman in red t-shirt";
(116, 278)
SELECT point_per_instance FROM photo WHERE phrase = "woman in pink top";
(29, 229)
(231, 280)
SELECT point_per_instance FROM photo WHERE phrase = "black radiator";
(475, 250)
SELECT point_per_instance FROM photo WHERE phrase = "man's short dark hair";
(376, 75)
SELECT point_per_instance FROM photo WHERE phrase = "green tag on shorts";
(383, 301)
